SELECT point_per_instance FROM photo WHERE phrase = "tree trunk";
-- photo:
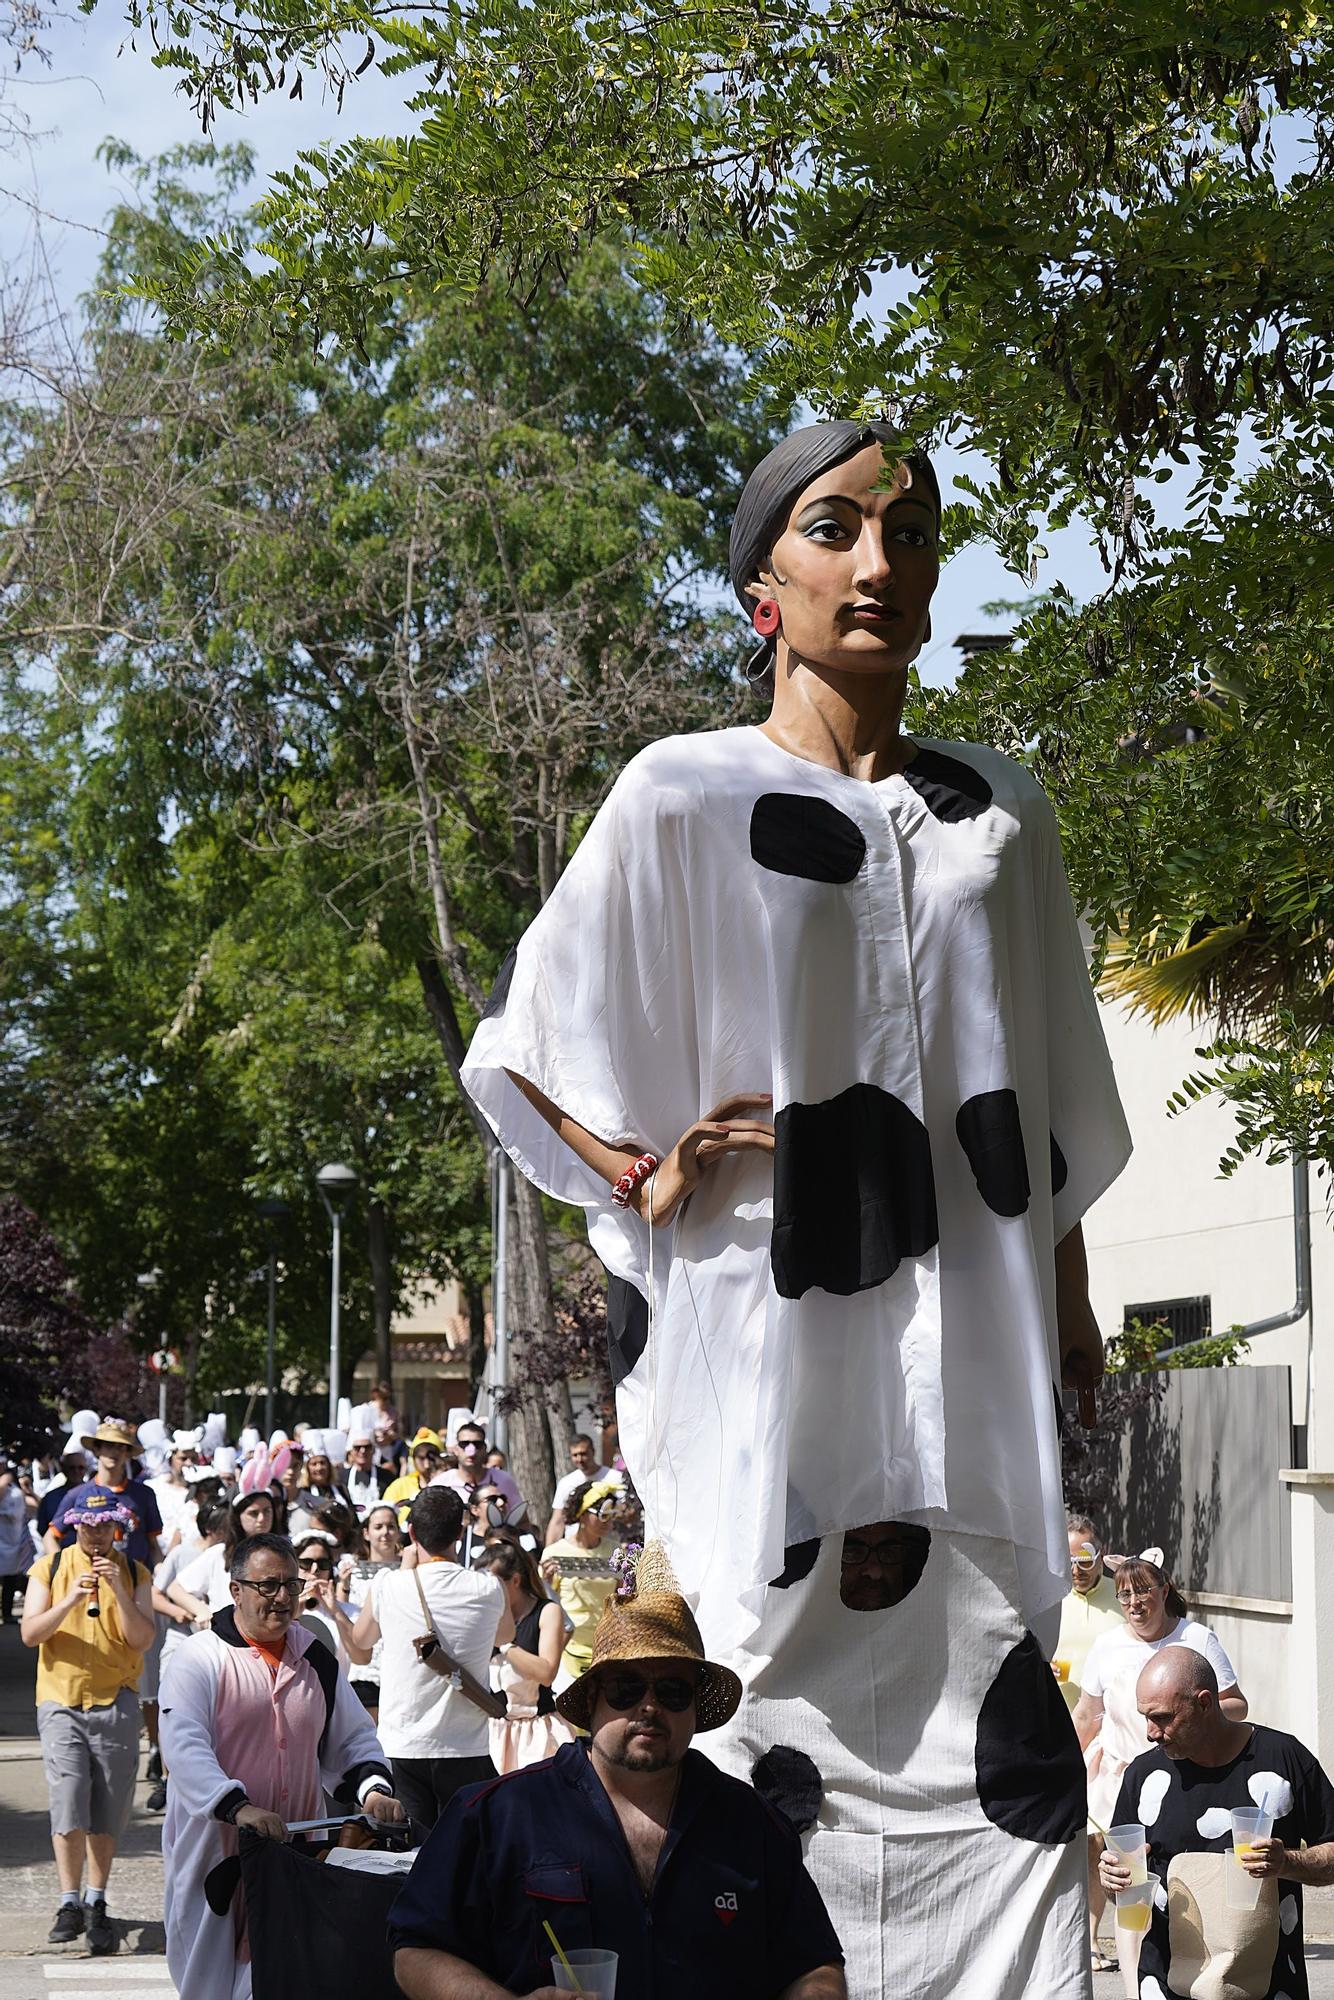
(529, 1313)
(380, 1251)
(193, 1342)
(476, 1300)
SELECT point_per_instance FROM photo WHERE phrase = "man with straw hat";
(113, 1443)
(628, 1841)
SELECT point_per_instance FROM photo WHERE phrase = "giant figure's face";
(854, 569)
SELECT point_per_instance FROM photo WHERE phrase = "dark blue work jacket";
(733, 1914)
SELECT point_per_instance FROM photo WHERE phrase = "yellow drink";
(1061, 1669)
(1241, 1848)
(1133, 1916)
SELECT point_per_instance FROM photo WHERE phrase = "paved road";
(83, 1978)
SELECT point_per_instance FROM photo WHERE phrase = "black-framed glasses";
(673, 1692)
(903, 1547)
(317, 1565)
(271, 1587)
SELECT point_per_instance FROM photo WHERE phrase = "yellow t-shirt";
(400, 1493)
(1084, 1617)
(86, 1661)
(582, 1598)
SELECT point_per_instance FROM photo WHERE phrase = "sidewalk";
(27, 1874)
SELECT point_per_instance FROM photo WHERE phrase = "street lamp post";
(274, 1211)
(335, 1183)
(148, 1282)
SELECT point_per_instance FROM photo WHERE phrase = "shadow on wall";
(1192, 1467)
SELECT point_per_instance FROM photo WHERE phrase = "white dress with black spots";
(864, 1329)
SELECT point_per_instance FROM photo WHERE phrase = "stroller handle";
(323, 1825)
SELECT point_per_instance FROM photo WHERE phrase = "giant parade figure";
(807, 1029)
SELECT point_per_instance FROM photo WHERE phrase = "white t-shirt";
(574, 1480)
(1118, 1652)
(206, 1576)
(172, 1501)
(421, 1715)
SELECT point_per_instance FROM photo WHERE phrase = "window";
(1184, 1320)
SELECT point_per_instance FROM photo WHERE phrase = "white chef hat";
(215, 1431)
(183, 1440)
(224, 1460)
(335, 1443)
(250, 1439)
(82, 1421)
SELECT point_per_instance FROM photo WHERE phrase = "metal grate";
(1185, 1319)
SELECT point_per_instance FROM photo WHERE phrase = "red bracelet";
(633, 1177)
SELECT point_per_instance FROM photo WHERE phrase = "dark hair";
(578, 1497)
(234, 1534)
(509, 1559)
(341, 1521)
(254, 1545)
(582, 1437)
(381, 1507)
(471, 1425)
(208, 1488)
(436, 1519)
(210, 1515)
(309, 1535)
(1137, 1569)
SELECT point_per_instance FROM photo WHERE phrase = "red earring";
(766, 617)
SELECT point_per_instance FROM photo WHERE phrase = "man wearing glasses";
(630, 1842)
(258, 1723)
(470, 1444)
(1091, 1609)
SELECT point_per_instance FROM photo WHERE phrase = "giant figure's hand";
(727, 1129)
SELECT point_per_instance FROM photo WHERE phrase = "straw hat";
(112, 1430)
(654, 1625)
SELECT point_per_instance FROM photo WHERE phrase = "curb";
(22, 1750)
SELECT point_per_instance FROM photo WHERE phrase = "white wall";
(1171, 1228)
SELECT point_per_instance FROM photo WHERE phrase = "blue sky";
(98, 85)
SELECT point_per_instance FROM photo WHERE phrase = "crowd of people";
(356, 1621)
(415, 1563)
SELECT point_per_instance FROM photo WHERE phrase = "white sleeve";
(1091, 1140)
(197, 1574)
(1207, 1642)
(186, 1700)
(597, 1007)
(1091, 1681)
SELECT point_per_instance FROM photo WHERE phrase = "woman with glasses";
(1110, 1728)
(319, 1609)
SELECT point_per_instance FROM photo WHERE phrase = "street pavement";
(32, 1969)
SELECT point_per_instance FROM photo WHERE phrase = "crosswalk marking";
(120, 1972)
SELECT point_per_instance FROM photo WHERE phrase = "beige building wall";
(1171, 1228)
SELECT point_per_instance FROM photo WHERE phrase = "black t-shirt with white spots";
(1186, 1811)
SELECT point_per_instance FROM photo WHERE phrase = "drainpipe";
(1301, 1254)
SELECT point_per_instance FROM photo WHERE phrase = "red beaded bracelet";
(632, 1178)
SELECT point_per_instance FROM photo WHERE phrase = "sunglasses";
(320, 1565)
(674, 1693)
(272, 1587)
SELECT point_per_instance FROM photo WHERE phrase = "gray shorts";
(91, 1757)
